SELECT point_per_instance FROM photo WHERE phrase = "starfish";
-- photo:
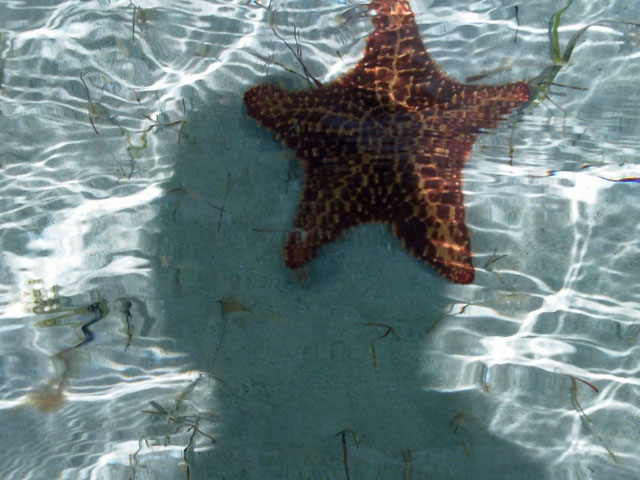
(386, 143)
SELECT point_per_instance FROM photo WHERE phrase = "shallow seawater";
(149, 328)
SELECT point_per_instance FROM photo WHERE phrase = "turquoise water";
(149, 328)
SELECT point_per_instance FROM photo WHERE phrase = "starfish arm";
(423, 199)
(470, 120)
(326, 136)
(488, 104)
(275, 108)
(444, 245)
(313, 123)
(397, 66)
(301, 246)
(433, 229)
(320, 220)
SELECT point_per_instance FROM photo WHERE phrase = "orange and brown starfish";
(386, 143)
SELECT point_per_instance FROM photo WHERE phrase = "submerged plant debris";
(587, 421)
(61, 313)
(186, 422)
(345, 451)
(388, 330)
(92, 109)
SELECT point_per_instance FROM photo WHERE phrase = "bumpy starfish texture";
(386, 143)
